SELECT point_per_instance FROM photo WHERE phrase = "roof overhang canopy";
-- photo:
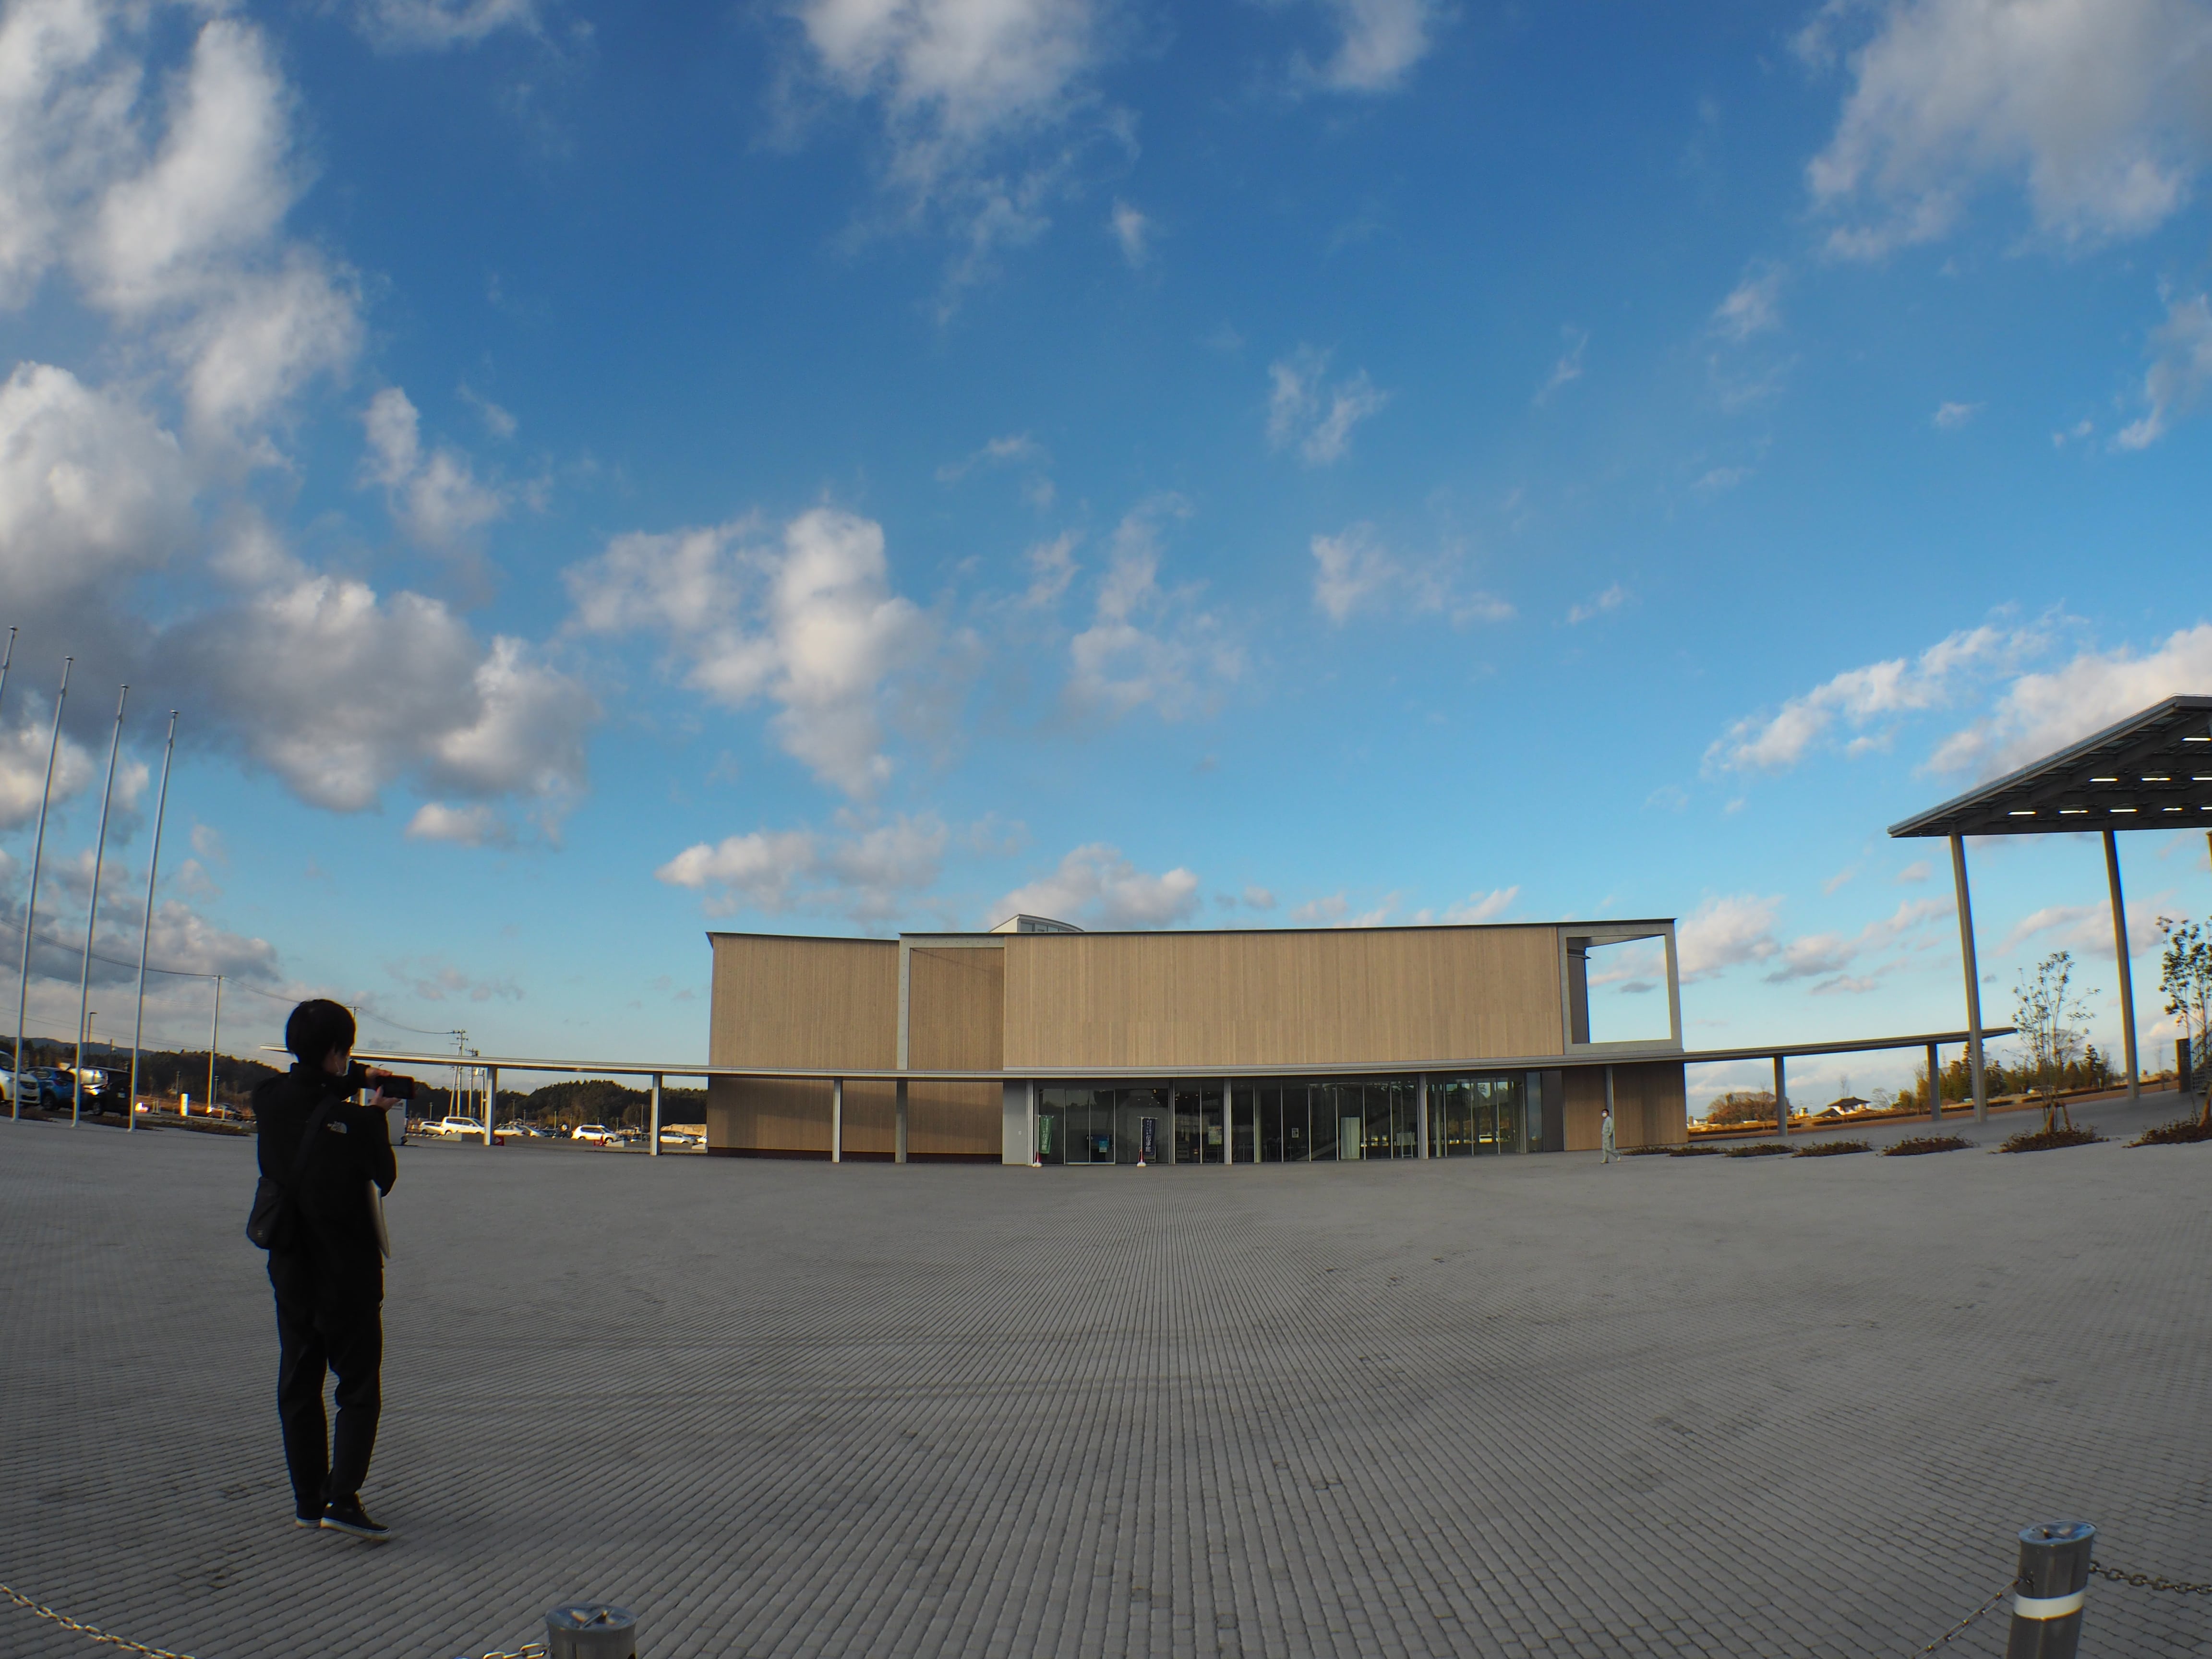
(2152, 771)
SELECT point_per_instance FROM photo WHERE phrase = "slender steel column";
(146, 934)
(215, 1034)
(1935, 1088)
(1229, 1121)
(652, 1148)
(1973, 979)
(1420, 1109)
(2120, 952)
(92, 918)
(837, 1120)
(898, 1144)
(1781, 1097)
(491, 1103)
(31, 899)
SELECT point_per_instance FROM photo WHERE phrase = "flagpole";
(92, 910)
(146, 938)
(30, 899)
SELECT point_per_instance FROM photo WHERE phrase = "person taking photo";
(326, 1266)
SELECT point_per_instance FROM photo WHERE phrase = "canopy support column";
(652, 1133)
(1973, 979)
(1420, 1114)
(898, 1147)
(2120, 950)
(837, 1120)
(1935, 1088)
(1781, 1097)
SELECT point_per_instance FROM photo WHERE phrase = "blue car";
(47, 1088)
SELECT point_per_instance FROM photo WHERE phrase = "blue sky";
(588, 476)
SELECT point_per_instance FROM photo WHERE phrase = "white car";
(456, 1126)
(598, 1133)
(678, 1138)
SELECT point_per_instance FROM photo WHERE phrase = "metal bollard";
(2054, 1577)
(594, 1630)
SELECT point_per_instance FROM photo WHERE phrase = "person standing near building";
(328, 1272)
(1605, 1133)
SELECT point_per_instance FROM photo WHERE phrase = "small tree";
(2185, 976)
(2050, 1018)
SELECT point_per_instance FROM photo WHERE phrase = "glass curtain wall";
(1478, 1116)
(1097, 1125)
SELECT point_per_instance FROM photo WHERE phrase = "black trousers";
(327, 1320)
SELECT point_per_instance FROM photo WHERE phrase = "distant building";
(1224, 1046)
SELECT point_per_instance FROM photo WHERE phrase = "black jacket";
(352, 1148)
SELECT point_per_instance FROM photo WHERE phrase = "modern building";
(1038, 1040)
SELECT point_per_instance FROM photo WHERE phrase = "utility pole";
(214, 1031)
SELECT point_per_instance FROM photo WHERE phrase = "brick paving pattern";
(1510, 1407)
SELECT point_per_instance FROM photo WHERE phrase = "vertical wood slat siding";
(1174, 1000)
(1650, 1105)
(801, 1002)
(956, 1021)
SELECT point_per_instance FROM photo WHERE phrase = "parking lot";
(1511, 1406)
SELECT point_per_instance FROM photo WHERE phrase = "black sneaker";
(308, 1518)
(346, 1515)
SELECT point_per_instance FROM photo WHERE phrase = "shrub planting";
(1693, 1152)
(2047, 1140)
(1831, 1149)
(2180, 1132)
(1759, 1149)
(1914, 1145)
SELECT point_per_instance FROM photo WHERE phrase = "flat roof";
(2152, 771)
(1608, 924)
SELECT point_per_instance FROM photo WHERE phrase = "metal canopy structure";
(2151, 771)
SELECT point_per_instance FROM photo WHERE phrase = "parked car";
(678, 1138)
(456, 1126)
(46, 1087)
(598, 1133)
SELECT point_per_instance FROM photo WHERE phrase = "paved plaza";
(1508, 1405)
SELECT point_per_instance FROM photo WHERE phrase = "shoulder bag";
(273, 1219)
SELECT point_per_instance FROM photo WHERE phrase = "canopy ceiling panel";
(2152, 771)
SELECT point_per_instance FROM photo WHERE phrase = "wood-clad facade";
(1163, 1015)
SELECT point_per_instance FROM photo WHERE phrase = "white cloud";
(1351, 568)
(1335, 911)
(1097, 885)
(437, 25)
(1147, 644)
(1569, 368)
(1725, 932)
(23, 750)
(1949, 417)
(463, 826)
(809, 623)
(1052, 567)
(1133, 232)
(2084, 929)
(2181, 371)
(1258, 898)
(1353, 571)
(2043, 712)
(2103, 108)
(951, 75)
(1753, 305)
(1611, 600)
(1305, 410)
(872, 871)
(1380, 41)
(1828, 956)
(91, 489)
(1860, 696)
(436, 500)
(1918, 870)
(341, 694)
(1484, 906)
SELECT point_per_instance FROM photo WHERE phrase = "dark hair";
(316, 1028)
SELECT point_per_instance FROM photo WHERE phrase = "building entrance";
(1200, 1130)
